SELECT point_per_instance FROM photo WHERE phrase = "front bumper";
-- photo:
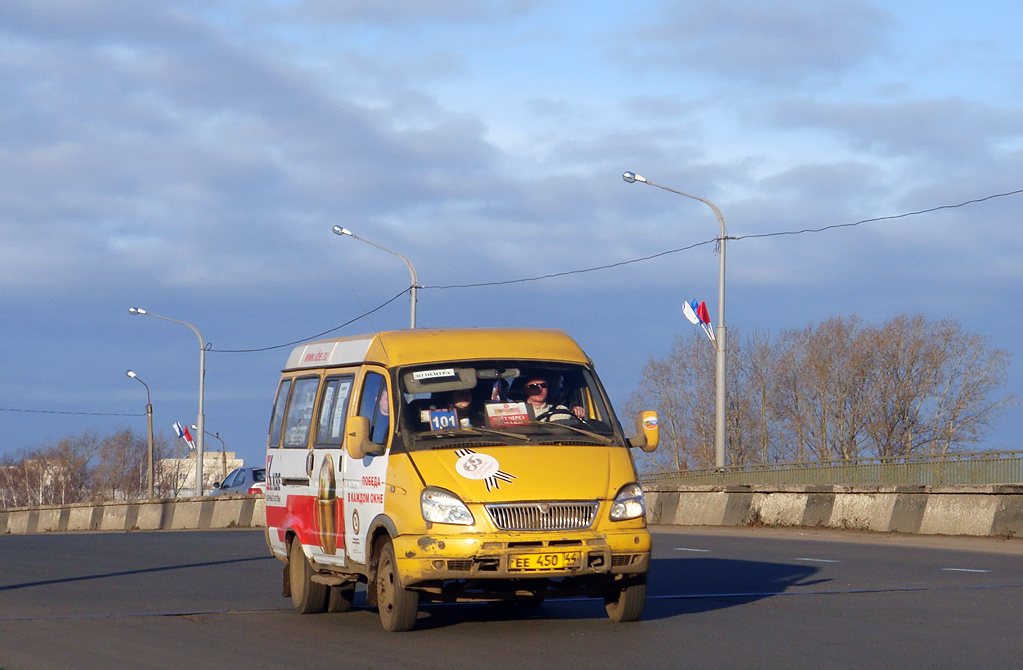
(440, 558)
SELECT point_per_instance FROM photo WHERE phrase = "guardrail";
(958, 469)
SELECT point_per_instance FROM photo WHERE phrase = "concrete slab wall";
(965, 510)
(242, 511)
(976, 510)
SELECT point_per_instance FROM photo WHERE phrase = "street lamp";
(223, 454)
(720, 337)
(135, 311)
(149, 415)
(338, 230)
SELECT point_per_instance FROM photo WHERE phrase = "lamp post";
(149, 416)
(720, 342)
(202, 394)
(338, 230)
(223, 454)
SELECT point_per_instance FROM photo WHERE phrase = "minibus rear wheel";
(307, 596)
(398, 606)
(626, 603)
(340, 598)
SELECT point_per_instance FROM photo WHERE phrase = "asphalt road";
(718, 598)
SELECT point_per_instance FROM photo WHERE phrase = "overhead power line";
(313, 337)
(622, 263)
(49, 411)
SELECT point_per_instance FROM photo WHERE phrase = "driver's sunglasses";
(536, 386)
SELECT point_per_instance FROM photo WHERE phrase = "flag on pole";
(689, 309)
(184, 434)
(697, 314)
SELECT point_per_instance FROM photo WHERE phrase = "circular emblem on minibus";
(355, 521)
(477, 466)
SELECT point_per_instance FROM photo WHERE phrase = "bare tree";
(123, 463)
(841, 389)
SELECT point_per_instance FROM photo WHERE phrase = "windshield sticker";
(443, 419)
(447, 373)
(507, 414)
(481, 466)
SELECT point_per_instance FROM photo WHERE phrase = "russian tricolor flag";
(697, 314)
(184, 434)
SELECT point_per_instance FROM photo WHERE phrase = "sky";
(190, 158)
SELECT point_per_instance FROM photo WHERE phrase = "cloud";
(766, 43)
(409, 12)
(945, 129)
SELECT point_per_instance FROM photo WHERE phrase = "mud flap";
(286, 586)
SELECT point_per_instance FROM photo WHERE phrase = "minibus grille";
(543, 516)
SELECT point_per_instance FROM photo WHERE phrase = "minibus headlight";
(440, 506)
(628, 504)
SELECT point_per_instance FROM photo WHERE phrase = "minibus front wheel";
(397, 605)
(626, 602)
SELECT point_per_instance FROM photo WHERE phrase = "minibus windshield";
(504, 403)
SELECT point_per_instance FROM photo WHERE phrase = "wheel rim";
(385, 587)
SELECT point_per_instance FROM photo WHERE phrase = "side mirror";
(357, 439)
(647, 432)
(216, 485)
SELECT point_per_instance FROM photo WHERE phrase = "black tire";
(626, 603)
(307, 596)
(340, 598)
(398, 606)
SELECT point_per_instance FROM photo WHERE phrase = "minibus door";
(291, 465)
(364, 478)
(325, 472)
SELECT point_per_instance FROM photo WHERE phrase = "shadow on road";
(123, 573)
(675, 587)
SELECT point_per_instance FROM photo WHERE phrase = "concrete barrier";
(241, 511)
(930, 510)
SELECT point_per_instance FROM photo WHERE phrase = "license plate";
(558, 561)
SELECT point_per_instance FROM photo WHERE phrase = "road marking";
(702, 551)
(818, 560)
(963, 570)
(840, 592)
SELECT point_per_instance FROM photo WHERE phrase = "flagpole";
(720, 342)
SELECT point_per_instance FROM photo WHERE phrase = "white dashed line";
(818, 560)
(702, 551)
(963, 570)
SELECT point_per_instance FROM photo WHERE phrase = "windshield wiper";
(470, 430)
(597, 436)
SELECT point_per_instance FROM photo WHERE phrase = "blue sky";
(191, 158)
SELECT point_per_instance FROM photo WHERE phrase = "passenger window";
(376, 407)
(277, 420)
(300, 412)
(333, 411)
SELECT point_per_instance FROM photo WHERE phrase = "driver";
(536, 395)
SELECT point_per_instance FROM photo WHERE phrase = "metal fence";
(982, 467)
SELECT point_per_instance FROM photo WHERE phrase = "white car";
(242, 480)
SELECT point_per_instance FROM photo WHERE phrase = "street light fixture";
(202, 393)
(223, 454)
(720, 337)
(149, 416)
(338, 230)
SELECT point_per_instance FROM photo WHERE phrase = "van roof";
(428, 345)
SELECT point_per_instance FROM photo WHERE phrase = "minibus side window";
(376, 407)
(333, 410)
(277, 419)
(300, 412)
